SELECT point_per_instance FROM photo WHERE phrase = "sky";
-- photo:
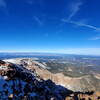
(56, 26)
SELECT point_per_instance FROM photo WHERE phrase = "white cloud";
(79, 51)
(38, 20)
(82, 24)
(74, 7)
(46, 35)
(30, 2)
(95, 38)
(2, 3)
(39, 2)
(82, 51)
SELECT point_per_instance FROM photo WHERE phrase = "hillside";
(25, 79)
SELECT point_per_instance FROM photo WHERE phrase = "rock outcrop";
(25, 79)
(19, 83)
(83, 83)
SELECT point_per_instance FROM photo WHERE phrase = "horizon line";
(49, 53)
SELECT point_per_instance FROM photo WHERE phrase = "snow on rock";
(17, 82)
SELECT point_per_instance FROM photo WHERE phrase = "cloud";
(74, 7)
(95, 38)
(80, 51)
(81, 24)
(39, 2)
(39, 22)
(2, 3)
(3, 7)
(46, 34)
(30, 2)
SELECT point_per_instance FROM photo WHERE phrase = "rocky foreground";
(25, 79)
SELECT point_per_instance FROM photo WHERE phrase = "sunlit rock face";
(19, 82)
(90, 82)
(28, 78)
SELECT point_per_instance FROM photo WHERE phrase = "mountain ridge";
(19, 72)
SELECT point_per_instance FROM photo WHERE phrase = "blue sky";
(61, 26)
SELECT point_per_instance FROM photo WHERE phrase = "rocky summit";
(27, 79)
